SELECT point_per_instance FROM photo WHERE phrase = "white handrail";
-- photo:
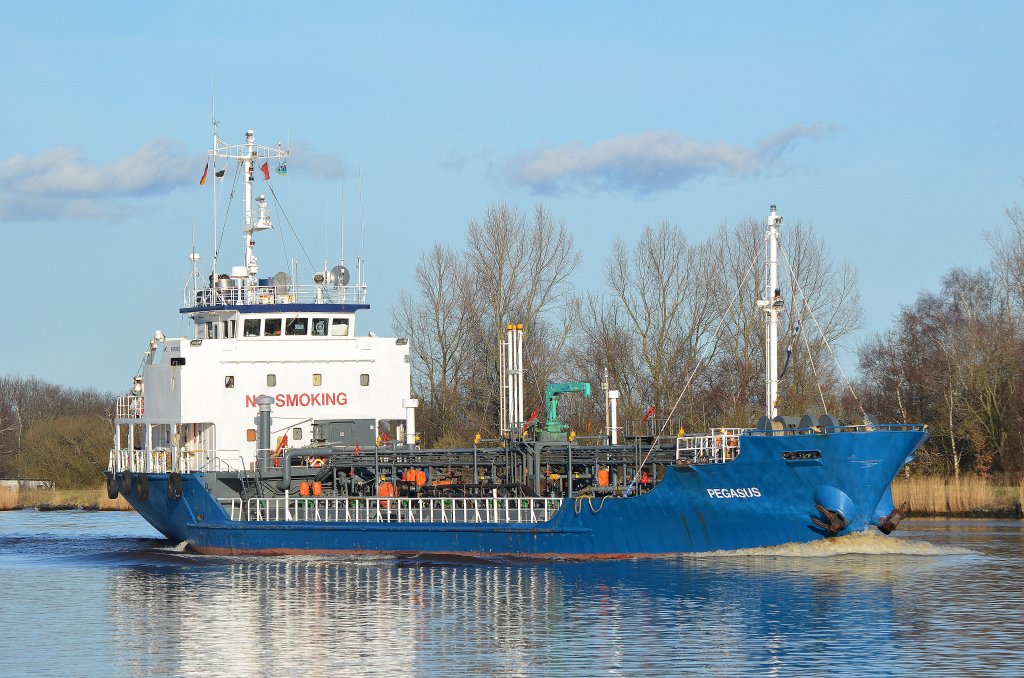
(719, 446)
(274, 294)
(166, 460)
(504, 510)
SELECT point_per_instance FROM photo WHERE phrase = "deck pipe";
(263, 429)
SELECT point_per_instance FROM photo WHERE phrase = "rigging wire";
(289, 222)
(227, 211)
(689, 380)
(814, 371)
(821, 333)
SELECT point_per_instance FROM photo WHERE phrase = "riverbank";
(970, 497)
(89, 499)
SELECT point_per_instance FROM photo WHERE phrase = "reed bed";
(970, 495)
(87, 498)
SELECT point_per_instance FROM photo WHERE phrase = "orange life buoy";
(317, 462)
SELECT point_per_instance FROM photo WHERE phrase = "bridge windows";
(229, 381)
(276, 327)
(318, 379)
(271, 380)
(364, 380)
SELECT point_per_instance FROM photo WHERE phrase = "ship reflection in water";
(791, 608)
(93, 594)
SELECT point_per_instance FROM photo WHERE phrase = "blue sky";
(894, 128)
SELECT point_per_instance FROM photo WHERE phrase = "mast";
(248, 156)
(773, 306)
(213, 122)
(248, 164)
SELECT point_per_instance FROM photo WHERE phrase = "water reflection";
(269, 616)
(943, 599)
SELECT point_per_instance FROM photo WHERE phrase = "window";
(229, 381)
(296, 434)
(339, 327)
(252, 327)
(319, 327)
(271, 380)
(318, 379)
(211, 330)
(296, 327)
(272, 327)
(229, 329)
(364, 380)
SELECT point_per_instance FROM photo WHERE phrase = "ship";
(276, 428)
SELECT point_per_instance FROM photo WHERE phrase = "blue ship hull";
(761, 498)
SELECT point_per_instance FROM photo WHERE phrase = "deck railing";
(130, 407)
(395, 510)
(274, 294)
(718, 447)
(164, 460)
(723, 444)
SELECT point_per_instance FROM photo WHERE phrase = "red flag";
(649, 413)
(266, 171)
(205, 170)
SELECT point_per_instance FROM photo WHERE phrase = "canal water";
(91, 594)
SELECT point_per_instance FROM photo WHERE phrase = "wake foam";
(857, 543)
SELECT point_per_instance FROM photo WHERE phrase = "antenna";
(213, 122)
(341, 185)
(194, 258)
(362, 230)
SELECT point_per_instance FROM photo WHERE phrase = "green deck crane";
(553, 429)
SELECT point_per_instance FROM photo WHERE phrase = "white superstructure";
(192, 407)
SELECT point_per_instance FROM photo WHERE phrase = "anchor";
(836, 522)
(888, 523)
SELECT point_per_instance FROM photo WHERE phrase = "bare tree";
(33, 405)
(1008, 255)
(670, 294)
(519, 271)
(513, 269)
(954, 362)
(437, 322)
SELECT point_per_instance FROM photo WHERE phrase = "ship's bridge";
(272, 308)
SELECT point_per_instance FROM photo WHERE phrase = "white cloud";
(648, 162)
(59, 182)
(304, 159)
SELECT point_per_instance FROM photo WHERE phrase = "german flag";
(205, 170)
